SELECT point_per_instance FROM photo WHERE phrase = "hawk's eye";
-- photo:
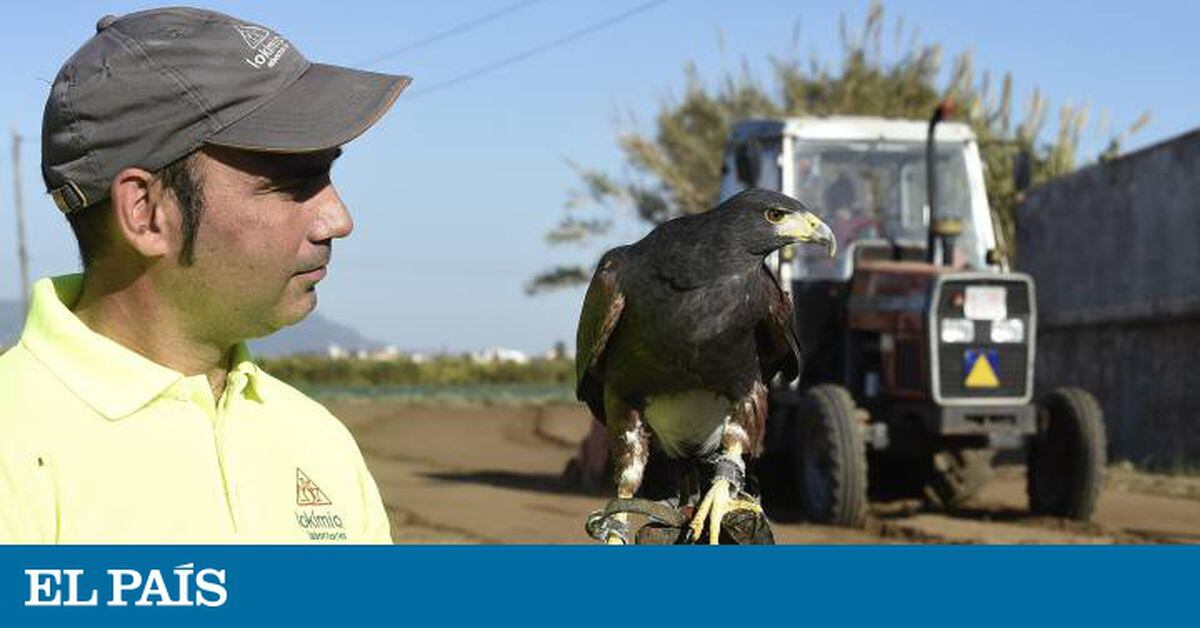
(775, 216)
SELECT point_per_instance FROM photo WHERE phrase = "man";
(190, 152)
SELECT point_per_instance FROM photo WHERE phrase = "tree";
(677, 171)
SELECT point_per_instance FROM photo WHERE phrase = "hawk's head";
(762, 221)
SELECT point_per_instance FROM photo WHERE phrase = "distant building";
(499, 354)
(388, 353)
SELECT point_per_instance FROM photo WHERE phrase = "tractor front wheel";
(1067, 455)
(831, 458)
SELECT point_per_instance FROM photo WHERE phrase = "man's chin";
(296, 310)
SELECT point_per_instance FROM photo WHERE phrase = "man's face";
(265, 240)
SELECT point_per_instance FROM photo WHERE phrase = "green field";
(442, 379)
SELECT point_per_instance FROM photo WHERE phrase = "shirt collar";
(112, 379)
(243, 364)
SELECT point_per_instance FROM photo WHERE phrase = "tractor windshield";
(875, 191)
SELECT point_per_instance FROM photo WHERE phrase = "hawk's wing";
(778, 349)
(601, 309)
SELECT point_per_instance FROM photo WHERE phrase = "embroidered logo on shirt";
(307, 491)
(316, 515)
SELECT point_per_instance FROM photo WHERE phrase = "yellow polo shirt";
(99, 444)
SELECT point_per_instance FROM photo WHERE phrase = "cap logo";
(266, 49)
(254, 35)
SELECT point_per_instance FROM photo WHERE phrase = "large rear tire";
(1067, 455)
(831, 458)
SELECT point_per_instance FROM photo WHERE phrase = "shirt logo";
(307, 491)
(315, 513)
(266, 49)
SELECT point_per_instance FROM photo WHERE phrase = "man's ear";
(138, 212)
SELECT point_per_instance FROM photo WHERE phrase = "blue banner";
(595, 586)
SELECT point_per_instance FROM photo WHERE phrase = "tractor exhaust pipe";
(939, 227)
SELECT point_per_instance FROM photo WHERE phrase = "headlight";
(1008, 330)
(958, 330)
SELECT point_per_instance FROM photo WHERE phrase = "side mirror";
(747, 162)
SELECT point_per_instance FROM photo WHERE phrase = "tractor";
(918, 341)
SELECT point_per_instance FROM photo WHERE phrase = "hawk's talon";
(712, 510)
(717, 503)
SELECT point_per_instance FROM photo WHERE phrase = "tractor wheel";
(831, 458)
(1067, 455)
(956, 476)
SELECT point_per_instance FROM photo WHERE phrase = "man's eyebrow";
(320, 165)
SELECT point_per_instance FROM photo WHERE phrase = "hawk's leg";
(630, 443)
(743, 433)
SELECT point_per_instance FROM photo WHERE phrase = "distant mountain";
(312, 335)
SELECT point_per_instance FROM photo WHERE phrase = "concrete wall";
(1115, 251)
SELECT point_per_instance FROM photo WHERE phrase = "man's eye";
(286, 185)
(300, 184)
(776, 216)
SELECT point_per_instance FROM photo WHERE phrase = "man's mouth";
(316, 274)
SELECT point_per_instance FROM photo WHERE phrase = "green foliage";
(677, 170)
(557, 278)
(308, 371)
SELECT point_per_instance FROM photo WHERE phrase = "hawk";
(679, 335)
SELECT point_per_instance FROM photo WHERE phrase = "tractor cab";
(866, 178)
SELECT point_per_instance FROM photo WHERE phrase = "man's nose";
(333, 219)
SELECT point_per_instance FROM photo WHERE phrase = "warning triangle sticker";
(308, 493)
(982, 375)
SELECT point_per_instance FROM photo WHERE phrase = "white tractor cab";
(918, 343)
(866, 177)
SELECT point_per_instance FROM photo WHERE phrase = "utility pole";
(22, 253)
(1, 207)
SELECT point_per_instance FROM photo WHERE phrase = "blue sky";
(453, 190)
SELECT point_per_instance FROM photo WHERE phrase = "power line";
(525, 54)
(450, 32)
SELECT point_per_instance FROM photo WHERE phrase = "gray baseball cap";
(151, 87)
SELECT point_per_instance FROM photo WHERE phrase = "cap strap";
(69, 198)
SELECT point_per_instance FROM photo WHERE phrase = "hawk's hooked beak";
(805, 227)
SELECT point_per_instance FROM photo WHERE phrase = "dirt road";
(491, 475)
